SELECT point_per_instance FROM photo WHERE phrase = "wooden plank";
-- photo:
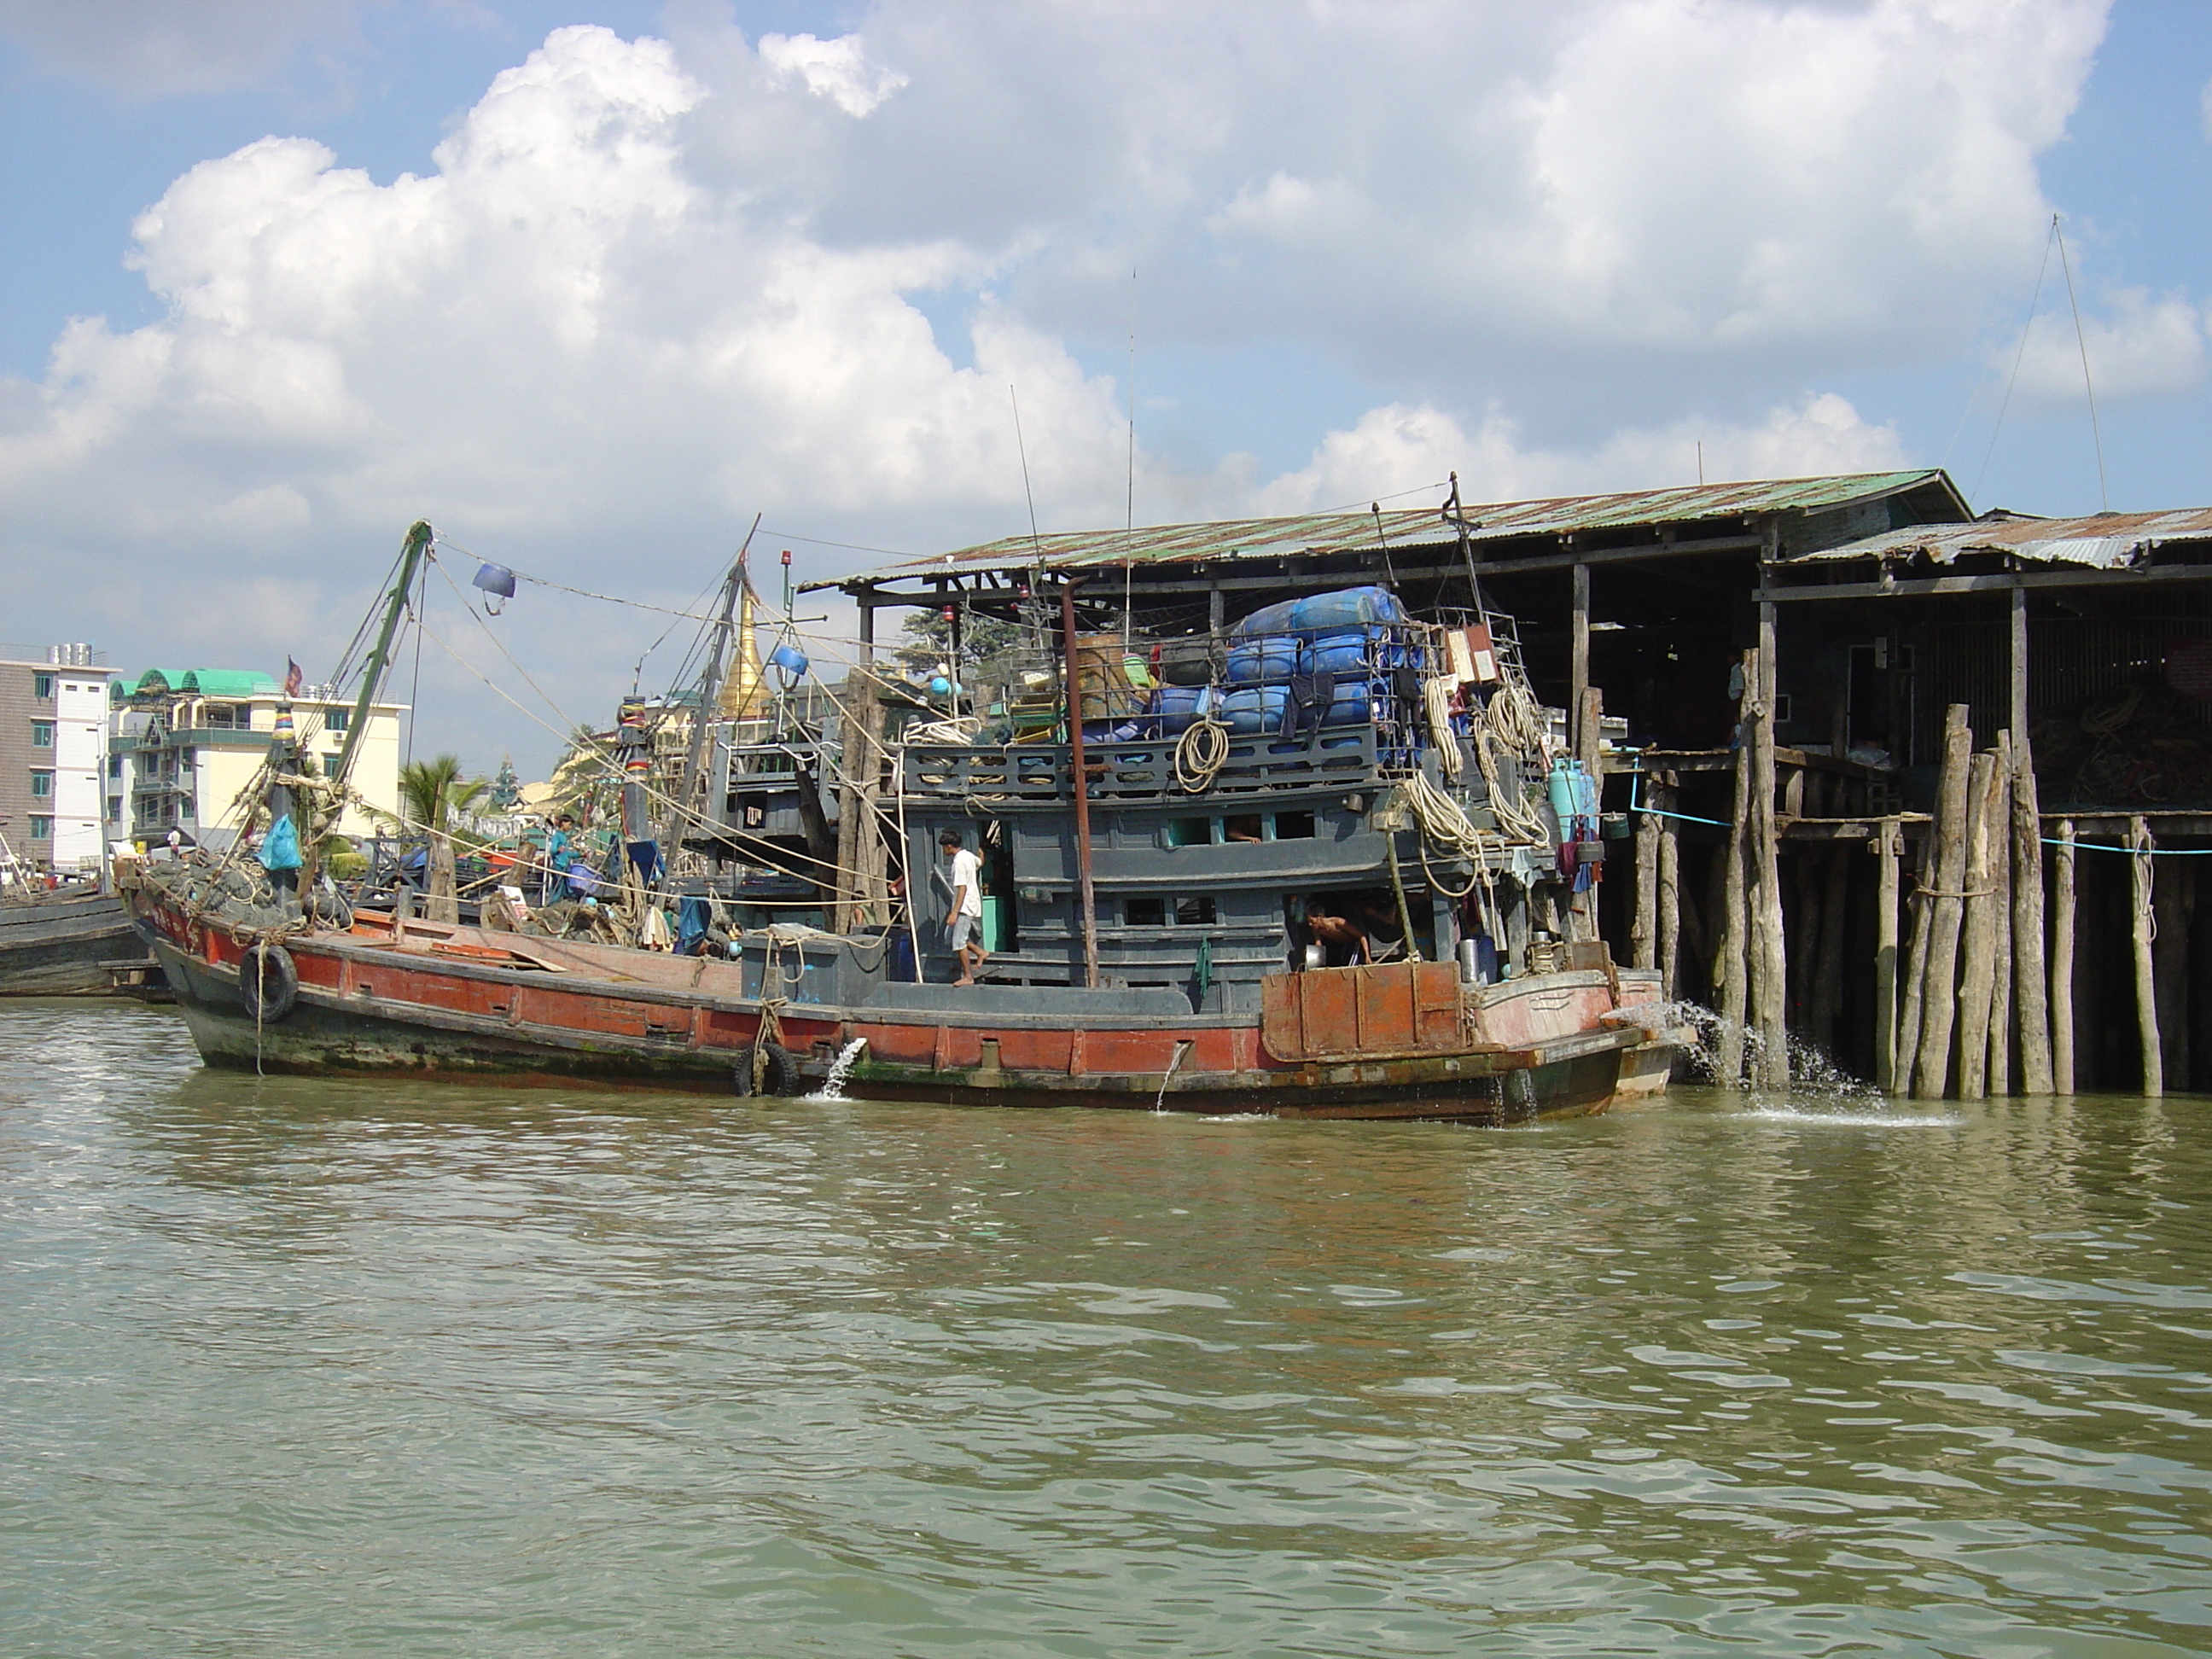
(2061, 961)
(1885, 957)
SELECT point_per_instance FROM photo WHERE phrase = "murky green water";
(291, 1368)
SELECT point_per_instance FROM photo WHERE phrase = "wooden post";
(1913, 972)
(1984, 777)
(2000, 882)
(1086, 899)
(2030, 973)
(1644, 930)
(1589, 722)
(1669, 955)
(1931, 1073)
(1730, 989)
(1885, 849)
(2139, 923)
(1769, 941)
(2062, 962)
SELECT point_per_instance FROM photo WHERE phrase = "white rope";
(1199, 754)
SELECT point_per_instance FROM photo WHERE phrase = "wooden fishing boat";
(1165, 896)
(67, 943)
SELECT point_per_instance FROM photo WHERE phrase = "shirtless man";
(1334, 933)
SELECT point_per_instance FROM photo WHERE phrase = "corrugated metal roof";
(1352, 532)
(2105, 541)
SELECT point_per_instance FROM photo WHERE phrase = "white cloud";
(1400, 448)
(836, 69)
(2142, 347)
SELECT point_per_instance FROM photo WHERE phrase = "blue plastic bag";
(280, 847)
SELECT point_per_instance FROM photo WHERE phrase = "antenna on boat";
(1457, 514)
(411, 553)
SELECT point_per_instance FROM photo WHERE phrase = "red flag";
(294, 679)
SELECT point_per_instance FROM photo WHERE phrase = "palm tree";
(432, 794)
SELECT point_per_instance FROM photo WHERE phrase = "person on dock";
(967, 920)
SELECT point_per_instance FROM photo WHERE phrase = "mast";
(411, 553)
(710, 690)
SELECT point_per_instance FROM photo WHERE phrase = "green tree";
(926, 640)
(433, 794)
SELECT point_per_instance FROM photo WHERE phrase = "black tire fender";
(768, 1068)
(268, 984)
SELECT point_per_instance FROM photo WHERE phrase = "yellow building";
(183, 744)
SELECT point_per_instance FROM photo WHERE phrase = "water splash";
(1811, 1072)
(833, 1086)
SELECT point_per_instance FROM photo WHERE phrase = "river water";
(292, 1367)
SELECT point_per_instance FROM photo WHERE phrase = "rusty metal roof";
(1320, 533)
(2105, 541)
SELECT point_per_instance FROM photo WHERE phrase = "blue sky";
(706, 260)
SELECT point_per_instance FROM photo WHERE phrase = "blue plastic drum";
(1256, 709)
(1264, 660)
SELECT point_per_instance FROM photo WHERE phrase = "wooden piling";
(1885, 849)
(2030, 971)
(1730, 986)
(2139, 924)
(1769, 936)
(2061, 961)
(1670, 949)
(1931, 1073)
(2000, 963)
(1978, 929)
(1913, 971)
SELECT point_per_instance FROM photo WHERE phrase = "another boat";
(71, 942)
(1181, 841)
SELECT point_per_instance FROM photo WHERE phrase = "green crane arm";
(410, 560)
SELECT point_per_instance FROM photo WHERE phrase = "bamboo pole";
(2061, 961)
(1978, 933)
(1669, 962)
(1931, 1074)
(1768, 938)
(1884, 955)
(2139, 924)
(2030, 971)
(1729, 962)
(2001, 963)
(1914, 971)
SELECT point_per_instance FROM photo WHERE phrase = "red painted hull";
(496, 1005)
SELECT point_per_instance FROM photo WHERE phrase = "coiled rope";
(1199, 754)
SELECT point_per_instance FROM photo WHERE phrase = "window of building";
(222, 716)
(115, 809)
(115, 766)
(337, 720)
(42, 734)
(42, 687)
(42, 827)
(42, 786)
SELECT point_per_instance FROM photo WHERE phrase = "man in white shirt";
(966, 924)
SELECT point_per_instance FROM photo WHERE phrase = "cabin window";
(1144, 912)
(42, 786)
(1194, 912)
(42, 687)
(1247, 826)
(1294, 826)
(1189, 832)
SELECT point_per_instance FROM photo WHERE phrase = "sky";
(589, 286)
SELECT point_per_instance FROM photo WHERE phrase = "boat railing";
(1141, 770)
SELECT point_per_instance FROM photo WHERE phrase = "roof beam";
(1939, 586)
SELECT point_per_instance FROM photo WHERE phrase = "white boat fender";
(268, 984)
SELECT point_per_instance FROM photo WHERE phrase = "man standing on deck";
(967, 920)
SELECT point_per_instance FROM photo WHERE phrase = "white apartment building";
(53, 733)
(183, 744)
